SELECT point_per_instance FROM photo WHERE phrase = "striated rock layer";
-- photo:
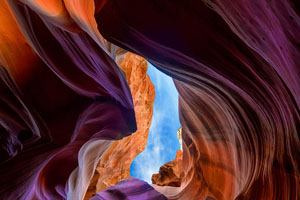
(116, 160)
(236, 71)
(59, 117)
(235, 65)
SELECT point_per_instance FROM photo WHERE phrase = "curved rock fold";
(65, 97)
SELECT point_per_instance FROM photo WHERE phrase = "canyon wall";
(60, 107)
(235, 66)
(170, 174)
(114, 164)
(236, 71)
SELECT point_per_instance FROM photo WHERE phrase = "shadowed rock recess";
(170, 174)
(72, 121)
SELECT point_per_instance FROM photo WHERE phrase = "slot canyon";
(77, 101)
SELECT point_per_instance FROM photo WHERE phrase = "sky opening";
(162, 140)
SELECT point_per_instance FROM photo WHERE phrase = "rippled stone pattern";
(59, 117)
(237, 76)
(235, 66)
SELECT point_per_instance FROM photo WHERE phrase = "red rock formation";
(170, 174)
(237, 76)
(236, 67)
(115, 163)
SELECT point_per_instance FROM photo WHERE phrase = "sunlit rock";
(115, 163)
(179, 136)
(64, 100)
(170, 174)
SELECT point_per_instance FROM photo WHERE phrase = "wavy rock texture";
(170, 174)
(58, 121)
(235, 66)
(115, 162)
(237, 75)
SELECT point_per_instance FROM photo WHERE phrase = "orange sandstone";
(114, 165)
(170, 174)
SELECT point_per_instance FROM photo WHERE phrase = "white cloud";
(149, 161)
(165, 111)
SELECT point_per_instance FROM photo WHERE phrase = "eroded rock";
(115, 163)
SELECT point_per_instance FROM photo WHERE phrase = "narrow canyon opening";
(162, 144)
(77, 107)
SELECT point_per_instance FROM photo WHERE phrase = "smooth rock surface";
(235, 65)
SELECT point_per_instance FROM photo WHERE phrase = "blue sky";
(162, 140)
